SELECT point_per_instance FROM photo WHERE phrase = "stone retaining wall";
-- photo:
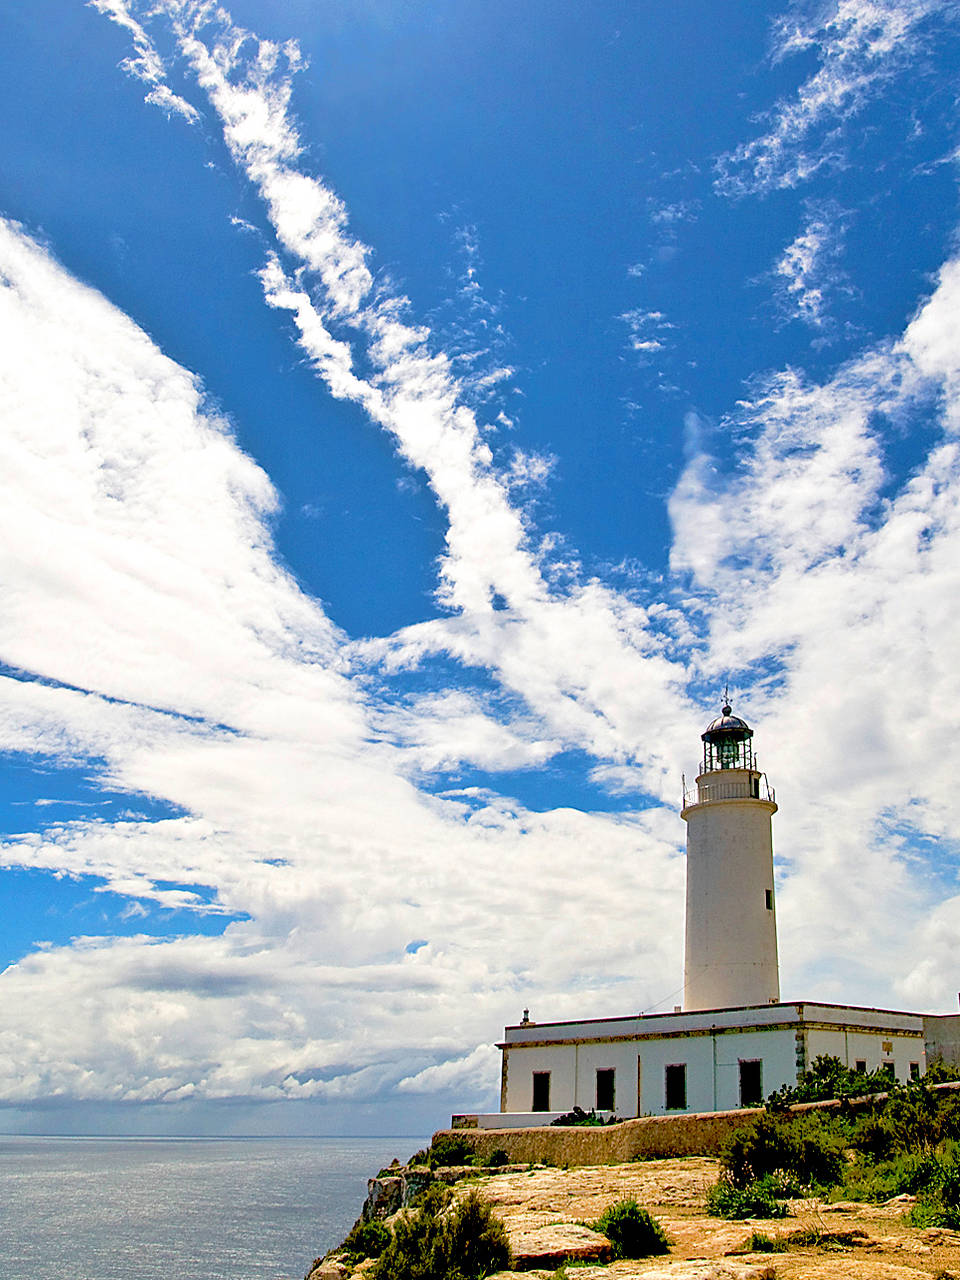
(686, 1135)
(697, 1134)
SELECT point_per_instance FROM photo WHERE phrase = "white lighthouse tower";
(730, 952)
(734, 1044)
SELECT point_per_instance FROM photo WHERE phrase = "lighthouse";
(730, 950)
(734, 1043)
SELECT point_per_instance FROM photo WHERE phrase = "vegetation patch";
(760, 1242)
(448, 1151)
(817, 1238)
(584, 1118)
(762, 1198)
(804, 1150)
(444, 1240)
(366, 1240)
(906, 1142)
(632, 1231)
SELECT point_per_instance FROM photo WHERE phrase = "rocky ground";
(544, 1210)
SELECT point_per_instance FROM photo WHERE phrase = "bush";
(915, 1117)
(817, 1146)
(580, 1117)
(440, 1241)
(474, 1240)
(763, 1198)
(911, 1119)
(939, 1202)
(909, 1174)
(497, 1158)
(809, 1147)
(632, 1232)
(448, 1151)
(760, 1242)
(874, 1136)
(366, 1240)
(939, 1072)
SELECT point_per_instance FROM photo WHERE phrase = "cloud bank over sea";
(284, 871)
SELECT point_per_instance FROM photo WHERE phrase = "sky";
(414, 417)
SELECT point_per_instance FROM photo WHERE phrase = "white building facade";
(709, 1060)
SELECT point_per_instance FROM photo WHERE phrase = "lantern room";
(727, 743)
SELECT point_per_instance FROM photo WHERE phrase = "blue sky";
(414, 417)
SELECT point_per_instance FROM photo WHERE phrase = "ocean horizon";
(181, 1208)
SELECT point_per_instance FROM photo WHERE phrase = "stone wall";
(695, 1134)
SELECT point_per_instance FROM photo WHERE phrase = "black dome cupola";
(727, 742)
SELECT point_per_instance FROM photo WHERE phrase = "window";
(541, 1091)
(751, 1082)
(914, 1070)
(768, 893)
(675, 1086)
(606, 1090)
(861, 1066)
(889, 1067)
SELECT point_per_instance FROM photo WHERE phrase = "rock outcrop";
(545, 1212)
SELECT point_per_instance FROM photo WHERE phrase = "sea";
(180, 1208)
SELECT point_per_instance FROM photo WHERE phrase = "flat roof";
(748, 1016)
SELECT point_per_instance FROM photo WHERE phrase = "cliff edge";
(546, 1211)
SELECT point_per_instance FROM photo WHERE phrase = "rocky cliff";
(545, 1211)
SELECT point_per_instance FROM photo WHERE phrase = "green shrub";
(873, 1135)
(916, 1118)
(448, 1151)
(911, 1119)
(939, 1202)
(817, 1238)
(763, 1198)
(817, 1146)
(444, 1241)
(906, 1174)
(632, 1232)
(474, 1240)
(809, 1147)
(760, 1242)
(939, 1072)
(829, 1078)
(366, 1240)
(497, 1158)
(580, 1117)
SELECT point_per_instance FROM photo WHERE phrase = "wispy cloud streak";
(146, 63)
(861, 45)
(807, 272)
(571, 641)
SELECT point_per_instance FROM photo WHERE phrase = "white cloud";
(647, 330)
(146, 64)
(807, 272)
(415, 396)
(529, 470)
(466, 1075)
(175, 656)
(861, 45)
(677, 211)
(170, 654)
(838, 597)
